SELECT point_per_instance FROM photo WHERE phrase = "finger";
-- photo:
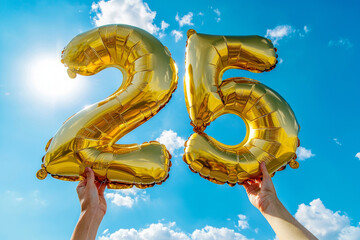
(82, 183)
(250, 182)
(258, 180)
(264, 171)
(101, 189)
(251, 189)
(90, 176)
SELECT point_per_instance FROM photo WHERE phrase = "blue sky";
(317, 45)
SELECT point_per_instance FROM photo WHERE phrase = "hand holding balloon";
(91, 194)
(261, 192)
(93, 206)
(262, 195)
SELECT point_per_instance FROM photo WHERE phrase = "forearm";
(87, 226)
(284, 224)
(95, 223)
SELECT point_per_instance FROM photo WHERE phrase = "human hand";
(261, 192)
(93, 206)
(91, 194)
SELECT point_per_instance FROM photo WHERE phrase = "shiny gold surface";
(272, 128)
(89, 137)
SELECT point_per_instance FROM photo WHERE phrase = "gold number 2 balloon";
(272, 128)
(88, 138)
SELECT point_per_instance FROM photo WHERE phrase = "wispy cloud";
(169, 231)
(163, 27)
(303, 153)
(358, 155)
(127, 197)
(242, 222)
(279, 32)
(14, 196)
(341, 42)
(325, 223)
(218, 13)
(306, 29)
(177, 35)
(135, 12)
(31, 198)
(210, 233)
(337, 141)
(184, 20)
(282, 31)
(172, 141)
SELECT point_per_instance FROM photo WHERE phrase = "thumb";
(264, 171)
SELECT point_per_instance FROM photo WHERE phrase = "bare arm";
(93, 207)
(262, 195)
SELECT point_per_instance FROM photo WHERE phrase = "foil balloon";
(272, 129)
(88, 138)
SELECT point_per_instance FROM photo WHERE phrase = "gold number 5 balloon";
(272, 128)
(88, 138)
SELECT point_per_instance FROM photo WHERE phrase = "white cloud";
(218, 13)
(38, 200)
(7, 94)
(342, 42)
(127, 197)
(161, 231)
(306, 29)
(171, 140)
(164, 25)
(281, 60)
(156, 231)
(31, 198)
(358, 155)
(201, 14)
(326, 224)
(279, 32)
(14, 196)
(337, 141)
(242, 222)
(350, 233)
(132, 12)
(303, 153)
(185, 20)
(177, 35)
(282, 31)
(212, 233)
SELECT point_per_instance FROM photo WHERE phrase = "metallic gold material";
(294, 164)
(272, 128)
(88, 138)
(42, 173)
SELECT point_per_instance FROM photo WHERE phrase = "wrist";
(92, 216)
(92, 212)
(271, 206)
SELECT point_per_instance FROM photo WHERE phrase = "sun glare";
(49, 79)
